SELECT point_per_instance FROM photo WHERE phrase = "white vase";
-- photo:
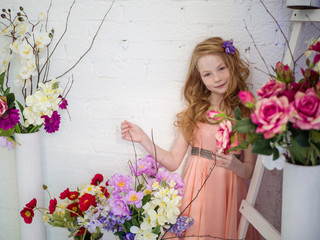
(28, 155)
(300, 202)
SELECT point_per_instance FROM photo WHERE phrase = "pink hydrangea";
(271, 88)
(306, 113)
(118, 205)
(120, 183)
(271, 115)
(135, 198)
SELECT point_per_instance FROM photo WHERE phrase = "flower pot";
(29, 171)
(300, 202)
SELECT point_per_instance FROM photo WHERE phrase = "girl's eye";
(222, 68)
(206, 75)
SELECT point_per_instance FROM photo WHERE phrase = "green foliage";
(245, 125)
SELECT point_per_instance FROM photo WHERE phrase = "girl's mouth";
(220, 86)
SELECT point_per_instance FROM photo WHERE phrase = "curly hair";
(196, 94)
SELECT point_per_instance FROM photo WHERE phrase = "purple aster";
(120, 183)
(228, 47)
(51, 124)
(118, 205)
(134, 197)
(63, 104)
(182, 224)
(9, 119)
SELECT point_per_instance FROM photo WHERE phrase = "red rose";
(27, 215)
(52, 205)
(86, 201)
(104, 191)
(81, 231)
(97, 179)
(74, 209)
(73, 195)
(64, 194)
(32, 204)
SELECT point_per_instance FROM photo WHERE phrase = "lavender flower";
(9, 119)
(5, 143)
(52, 124)
(129, 236)
(120, 183)
(112, 222)
(118, 205)
(182, 224)
(228, 47)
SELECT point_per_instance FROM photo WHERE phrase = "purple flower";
(5, 143)
(134, 197)
(112, 222)
(228, 47)
(129, 236)
(120, 183)
(182, 224)
(146, 166)
(166, 176)
(63, 104)
(118, 206)
(9, 119)
(52, 124)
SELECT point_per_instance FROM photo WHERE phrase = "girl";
(216, 74)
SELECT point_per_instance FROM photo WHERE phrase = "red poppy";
(74, 208)
(97, 179)
(27, 215)
(104, 191)
(81, 231)
(64, 194)
(32, 204)
(87, 200)
(52, 205)
(73, 195)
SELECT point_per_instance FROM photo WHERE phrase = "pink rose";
(271, 115)
(223, 136)
(271, 88)
(306, 113)
(3, 107)
(212, 116)
(284, 72)
(247, 99)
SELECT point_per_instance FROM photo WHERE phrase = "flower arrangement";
(25, 46)
(143, 205)
(286, 114)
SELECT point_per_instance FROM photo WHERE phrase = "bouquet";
(25, 47)
(285, 117)
(143, 205)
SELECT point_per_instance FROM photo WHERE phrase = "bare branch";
(155, 150)
(48, 15)
(94, 37)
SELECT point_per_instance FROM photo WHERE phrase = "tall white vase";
(28, 155)
(300, 203)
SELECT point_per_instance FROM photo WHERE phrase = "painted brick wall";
(134, 71)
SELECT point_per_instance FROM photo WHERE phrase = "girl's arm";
(242, 169)
(171, 160)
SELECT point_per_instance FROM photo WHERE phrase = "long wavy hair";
(196, 94)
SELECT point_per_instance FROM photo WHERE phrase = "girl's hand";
(227, 161)
(131, 132)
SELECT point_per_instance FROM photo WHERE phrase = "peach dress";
(215, 210)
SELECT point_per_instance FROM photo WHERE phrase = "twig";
(254, 43)
(48, 15)
(262, 71)
(65, 30)
(284, 36)
(135, 156)
(155, 150)
(94, 37)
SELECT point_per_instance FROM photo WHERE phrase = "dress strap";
(202, 153)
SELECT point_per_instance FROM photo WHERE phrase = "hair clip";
(228, 47)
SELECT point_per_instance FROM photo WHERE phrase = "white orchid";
(41, 39)
(25, 50)
(23, 28)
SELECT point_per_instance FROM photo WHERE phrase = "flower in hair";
(228, 47)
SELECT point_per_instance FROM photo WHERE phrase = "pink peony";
(271, 115)
(223, 136)
(306, 113)
(121, 183)
(118, 206)
(271, 88)
(3, 107)
(247, 99)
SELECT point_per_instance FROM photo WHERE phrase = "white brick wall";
(134, 71)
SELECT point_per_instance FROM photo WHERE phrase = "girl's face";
(215, 75)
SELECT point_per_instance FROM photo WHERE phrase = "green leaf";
(241, 146)
(2, 80)
(146, 199)
(237, 113)
(6, 92)
(127, 226)
(302, 139)
(11, 98)
(298, 152)
(275, 153)
(140, 186)
(262, 146)
(315, 136)
(21, 109)
(135, 222)
(156, 230)
(7, 133)
(244, 125)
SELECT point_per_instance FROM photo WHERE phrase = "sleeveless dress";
(215, 210)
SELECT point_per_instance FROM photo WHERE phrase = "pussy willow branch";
(94, 38)
(65, 30)
(194, 198)
(254, 43)
(282, 33)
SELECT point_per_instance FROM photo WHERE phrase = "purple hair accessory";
(228, 47)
